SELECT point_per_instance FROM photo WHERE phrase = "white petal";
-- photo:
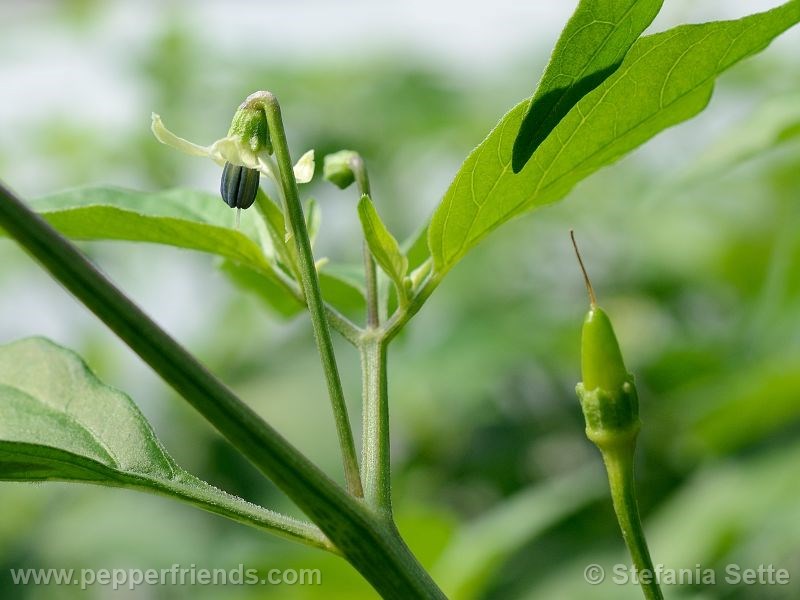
(165, 136)
(231, 149)
(304, 169)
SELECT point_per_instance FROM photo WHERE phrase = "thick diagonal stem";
(370, 544)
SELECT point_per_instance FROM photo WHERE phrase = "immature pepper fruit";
(611, 411)
(607, 393)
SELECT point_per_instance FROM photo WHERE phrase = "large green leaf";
(179, 217)
(185, 219)
(665, 79)
(59, 422)
(590, 48)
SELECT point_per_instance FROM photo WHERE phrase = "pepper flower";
(245, 153)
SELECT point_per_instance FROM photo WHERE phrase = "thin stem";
(375, 456)
(404, 314)
(340, 323)
(618, 459)
(368, 543)
(344, 326)
(370, 270)
(311, 291)
(371, 284)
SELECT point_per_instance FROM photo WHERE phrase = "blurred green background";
(692, 243)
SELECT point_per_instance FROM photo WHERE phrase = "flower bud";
(338, 168)
(239, 186)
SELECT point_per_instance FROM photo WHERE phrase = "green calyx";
(338, 168)
(250, 125)
(601, 360)
(611, 415)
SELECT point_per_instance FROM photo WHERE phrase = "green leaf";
(590, 48)
(59, 422)
(337, 287)
(183, 218)
(272, 294)
(382, 244)
(341, 288)
(186, 219)
(665, 79)
(276, 228)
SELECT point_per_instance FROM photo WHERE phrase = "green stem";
(375, 456)
(370, 270)
(367, 542)
(375, 446)
(371, 285)
(618, 458)
(404, 314)
(346, 328)
(311, 291)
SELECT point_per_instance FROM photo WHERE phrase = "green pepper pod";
(607, 393)
(611, 411)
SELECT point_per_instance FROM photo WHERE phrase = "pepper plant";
(606, 90)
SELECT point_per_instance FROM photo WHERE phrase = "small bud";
(338, 168)
(239, 186)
